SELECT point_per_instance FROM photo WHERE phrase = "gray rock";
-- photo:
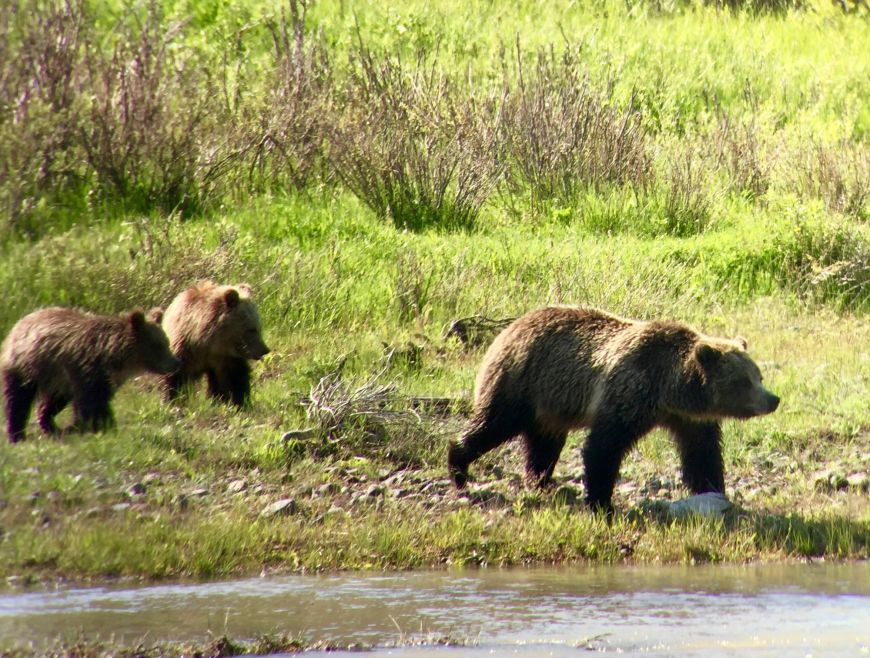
(327, 489)
(374, 491)
(237, 486)
(285, 507)
(121, 507)
(199, 493)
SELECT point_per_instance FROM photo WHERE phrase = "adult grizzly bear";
(560, 368)
(214, 330)
(65, 355)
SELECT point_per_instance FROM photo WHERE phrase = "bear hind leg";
(49, 407)
(700, 447)
(542, 452)
(18, 395)
(486, 432)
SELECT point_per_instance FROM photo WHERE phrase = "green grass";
(751, 220)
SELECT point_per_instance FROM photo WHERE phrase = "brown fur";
(214, 330)
(64, 355)
(562, 368)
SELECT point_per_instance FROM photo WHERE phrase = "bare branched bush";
(560, 137)
(737, 147)
(40, 54)
(411, 145)
(147, 127)
(686, 202)
(840, 176)
(828, 263)
(282, 143)
(366, 416)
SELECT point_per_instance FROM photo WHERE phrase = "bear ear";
(155, 315)
(742, 342)
(137, 319)
(231, 298)
(707, 355)
(245, 289)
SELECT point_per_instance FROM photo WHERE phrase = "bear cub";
(64, 355)
(561, 368)
(214, 330)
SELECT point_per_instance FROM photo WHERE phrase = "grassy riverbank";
(184, 490)
(728, 191)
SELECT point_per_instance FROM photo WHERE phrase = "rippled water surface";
(764, 610)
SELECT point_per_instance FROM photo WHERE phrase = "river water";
(757, 610)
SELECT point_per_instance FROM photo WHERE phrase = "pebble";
(327, 489)
(237, 486)
(285, 506)
(374, 491)
(152, 478)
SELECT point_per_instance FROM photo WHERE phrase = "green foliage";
(179, 108)
(376, 175)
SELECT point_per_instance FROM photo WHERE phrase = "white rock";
(705, 504)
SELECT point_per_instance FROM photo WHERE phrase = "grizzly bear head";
(732, 381)
(150, 346)
(239, 332)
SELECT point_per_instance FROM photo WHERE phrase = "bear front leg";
(542, 452)
(18, 396)
(700, 447)
(173, 384)
(606, 446)
(485, 432)
(49, 407)
(93, 412)
(237, 373)
(231, 382)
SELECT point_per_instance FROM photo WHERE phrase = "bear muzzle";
(257, 352)
(168, 365)
(772, 403)
(767, 404)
